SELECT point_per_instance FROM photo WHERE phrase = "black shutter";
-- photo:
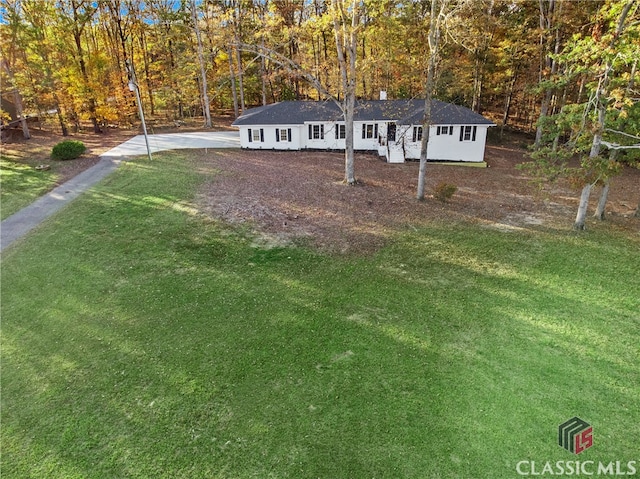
(289, 134)
(461, 132)
(415, 130)
(250, 136)
(473, 138)
(322, 132)
(438, 130)
(261, 135)
(310, 133)
(337, 131)
(364, 131)
(451, 130)
(277, 134)
(375, 131)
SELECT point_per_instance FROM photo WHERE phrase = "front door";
(391, 132)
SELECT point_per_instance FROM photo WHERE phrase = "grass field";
(142, 340)
(21, 184)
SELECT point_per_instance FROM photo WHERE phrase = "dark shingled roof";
(405, 112)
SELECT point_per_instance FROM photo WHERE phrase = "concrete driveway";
(20, 223)
(176, 141)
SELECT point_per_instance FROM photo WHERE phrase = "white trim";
(440, 148)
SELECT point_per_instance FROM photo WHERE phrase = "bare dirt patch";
(289, 196)
(292, 196)
(37, 150)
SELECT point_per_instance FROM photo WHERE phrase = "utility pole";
(133, 86)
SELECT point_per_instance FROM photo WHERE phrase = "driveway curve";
(23, 221)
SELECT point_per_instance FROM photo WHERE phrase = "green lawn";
(21, 184)
(141, 340)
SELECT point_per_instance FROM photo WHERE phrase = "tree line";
(564, 69)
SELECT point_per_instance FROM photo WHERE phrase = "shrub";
(68, 150)
(444, 191)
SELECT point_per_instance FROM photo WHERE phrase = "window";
(316, 132)
(417, 133)
(444, 130)
(369, 130)
(468, 133)
(283, 134)
(256, 135)
(341, 132)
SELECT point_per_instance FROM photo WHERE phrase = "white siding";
(445, 147)
(329, 142)
(372, 130)
(270, 137)
(448, 147)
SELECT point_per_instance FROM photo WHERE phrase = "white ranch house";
(393, 128)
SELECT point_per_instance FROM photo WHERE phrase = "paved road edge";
(20, 223)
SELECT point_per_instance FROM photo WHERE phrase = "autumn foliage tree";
(564, 69)
(605, 60)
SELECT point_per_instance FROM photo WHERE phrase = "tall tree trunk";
(232, 76)
(601, 92)
(433, 40)
(364, 77)
(147, 76)
(263, 74)
(563, 100)
(349, 155)
(477, 86)
(33, 14)
(115, 11)
(632, 76)
(550, 63)
(507, 102)
(582, 208)
(347, 40)
(316, 61)
(259, 14)
(602, 202)
(203, 71)
(63, 125)
(481, 56)
(54, 93)
(240, 79)
(544, 111)
(17, 98)
(580, 90)
(237, 24)
(604, 193)
(595, 151)
(77, 36)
